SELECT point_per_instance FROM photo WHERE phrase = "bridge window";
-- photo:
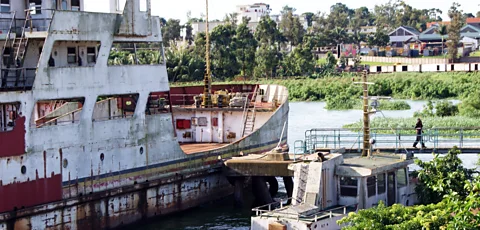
(348, 186)
(35, 6)
(75, 5)
(91, 55)
(5, 6)
(158, 103)
(113, 107)
(72, 54)
(129, 53)
(381, 183)
(57, 112)
(9, 112)
(401, 178)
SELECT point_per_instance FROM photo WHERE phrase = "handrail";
(27, 18)
(444, 137)
(261, 211)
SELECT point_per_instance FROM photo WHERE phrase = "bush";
(470, 107)
(438, 109)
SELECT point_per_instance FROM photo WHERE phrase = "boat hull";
(153, 191)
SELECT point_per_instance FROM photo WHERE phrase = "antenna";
(207, 90)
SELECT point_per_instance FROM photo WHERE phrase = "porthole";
(24, 169)
(65, 163)
(141, 150)
(102, 157)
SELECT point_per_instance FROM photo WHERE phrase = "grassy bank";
(415, 86)
(428, 122)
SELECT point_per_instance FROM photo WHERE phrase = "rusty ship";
(91, 141)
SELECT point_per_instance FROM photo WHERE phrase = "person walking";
(419, 130)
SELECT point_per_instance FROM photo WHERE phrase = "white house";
(255, 12)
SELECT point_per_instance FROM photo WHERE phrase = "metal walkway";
(395, 140)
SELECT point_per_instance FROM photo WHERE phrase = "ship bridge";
(26, 25)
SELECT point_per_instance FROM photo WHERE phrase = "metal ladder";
(20, 48)
(249, 124)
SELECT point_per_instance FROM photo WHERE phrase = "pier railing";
(397, 139)
(277, 209)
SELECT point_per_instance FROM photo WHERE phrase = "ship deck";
(191, 148)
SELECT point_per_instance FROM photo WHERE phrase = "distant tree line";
(285, 49)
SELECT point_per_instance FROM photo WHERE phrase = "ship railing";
(187, 99)
(397, 138)
(269, 210)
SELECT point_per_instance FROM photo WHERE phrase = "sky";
(178, 9)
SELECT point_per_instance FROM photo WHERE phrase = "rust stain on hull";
(119, 207)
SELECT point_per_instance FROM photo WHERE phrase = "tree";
(269, 39)
(188, 33)
(456, 24)
(224, 61)
(267, 32)
(200, 45)
(291, 27)
(267, 59)
(442, 30)
(478, 14)
(309, 17)
(378, 39)
(339, 16)
(442, 176)
(171, 31)
(246, 46)
(339, 35)
(470, 106)
(446, 181)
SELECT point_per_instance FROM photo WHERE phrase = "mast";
(366, 117)
(207, 90)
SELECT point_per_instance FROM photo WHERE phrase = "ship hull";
(154, 190)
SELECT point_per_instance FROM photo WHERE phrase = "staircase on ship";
(13, 74)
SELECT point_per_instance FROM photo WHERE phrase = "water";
(303, 116)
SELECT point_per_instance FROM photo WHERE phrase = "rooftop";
(356, 166)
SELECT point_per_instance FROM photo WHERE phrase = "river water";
(222, 215)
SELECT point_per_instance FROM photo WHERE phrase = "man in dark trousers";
(419, 130)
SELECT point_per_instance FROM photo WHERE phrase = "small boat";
(333, 184)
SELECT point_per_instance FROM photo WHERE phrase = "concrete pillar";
(288, 182)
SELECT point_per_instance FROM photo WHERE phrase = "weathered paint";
(114, 172)
(12, 143)
(39, 191)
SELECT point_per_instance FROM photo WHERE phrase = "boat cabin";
(329, 188)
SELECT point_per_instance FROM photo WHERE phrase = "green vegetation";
(415, 86)
(448, 192)
(428, 123)
(343, 102)
(387, 105)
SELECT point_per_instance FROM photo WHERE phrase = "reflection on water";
(303, 116)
